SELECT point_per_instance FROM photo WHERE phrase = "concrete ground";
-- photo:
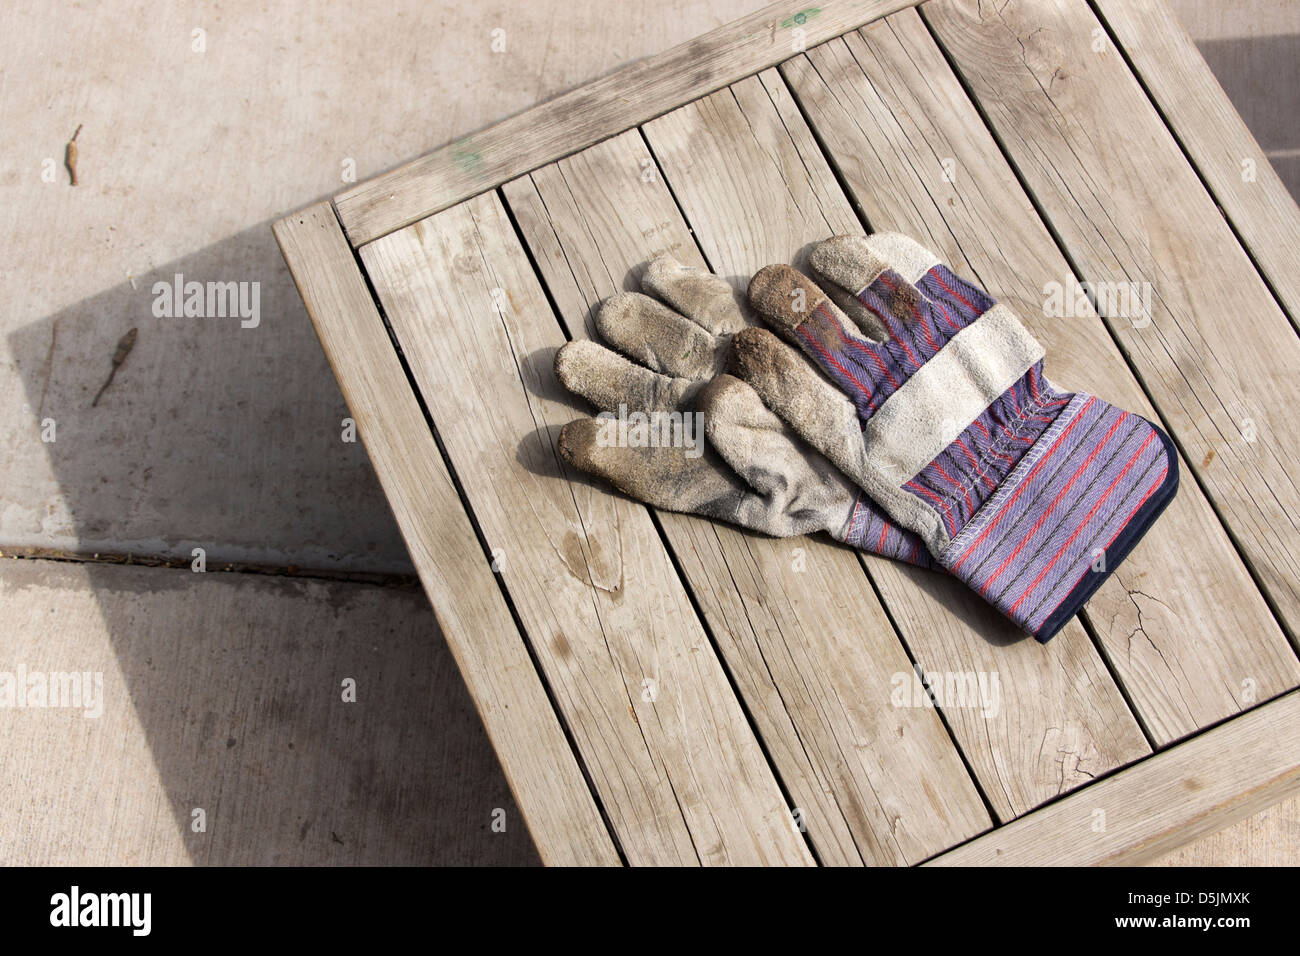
(224, 735)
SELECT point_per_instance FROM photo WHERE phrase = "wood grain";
(756, 189)
(1217, 355)
(916, 158)
(677, 767)
(806, 641)
(540, 766)
(603, 108)
(1159, 804)
(1211, 131)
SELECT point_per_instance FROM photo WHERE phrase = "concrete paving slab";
(224, 693)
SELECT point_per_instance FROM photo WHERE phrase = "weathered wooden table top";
(662, 689)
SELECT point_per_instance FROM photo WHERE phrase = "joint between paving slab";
(379, 579)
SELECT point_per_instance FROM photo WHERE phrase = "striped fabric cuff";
(1067, 514)
(869, 529)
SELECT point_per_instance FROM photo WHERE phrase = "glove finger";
(857, 266)
(797, 490)
(750, 437)
(892, 250)
(958, 300)
(608, 380)
(765, 451)
(862, 317)
(649, 332)
(674, 477)
(820, 413)
(848, 261)
(845, 266)
(797, 308)
(707, 300)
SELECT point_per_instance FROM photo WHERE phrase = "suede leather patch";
(927, 413)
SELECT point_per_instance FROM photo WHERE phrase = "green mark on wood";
(465, 156)
(802, 17)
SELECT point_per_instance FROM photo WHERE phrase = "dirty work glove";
(713, 448)
(940, 411)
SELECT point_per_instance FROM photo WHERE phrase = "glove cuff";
(1066, 515)
(869, 529)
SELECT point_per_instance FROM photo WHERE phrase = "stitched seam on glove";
(1002, 444)
(961, 541)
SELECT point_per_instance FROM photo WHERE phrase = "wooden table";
(665, 690)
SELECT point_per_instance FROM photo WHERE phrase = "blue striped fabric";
(1053, 521)
(869, 529)
(961, 478)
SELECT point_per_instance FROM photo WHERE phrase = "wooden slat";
(1160, 804)
(666, 743)
(798, 626)
(756, 189)
(891, 114)
(581, 117)
(1218, 356)
(1199, 113)
(544, 776)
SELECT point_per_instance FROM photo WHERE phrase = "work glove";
(676, 433)
(939, 410)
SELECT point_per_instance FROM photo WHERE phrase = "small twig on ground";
(124, 346)
(70, 155)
